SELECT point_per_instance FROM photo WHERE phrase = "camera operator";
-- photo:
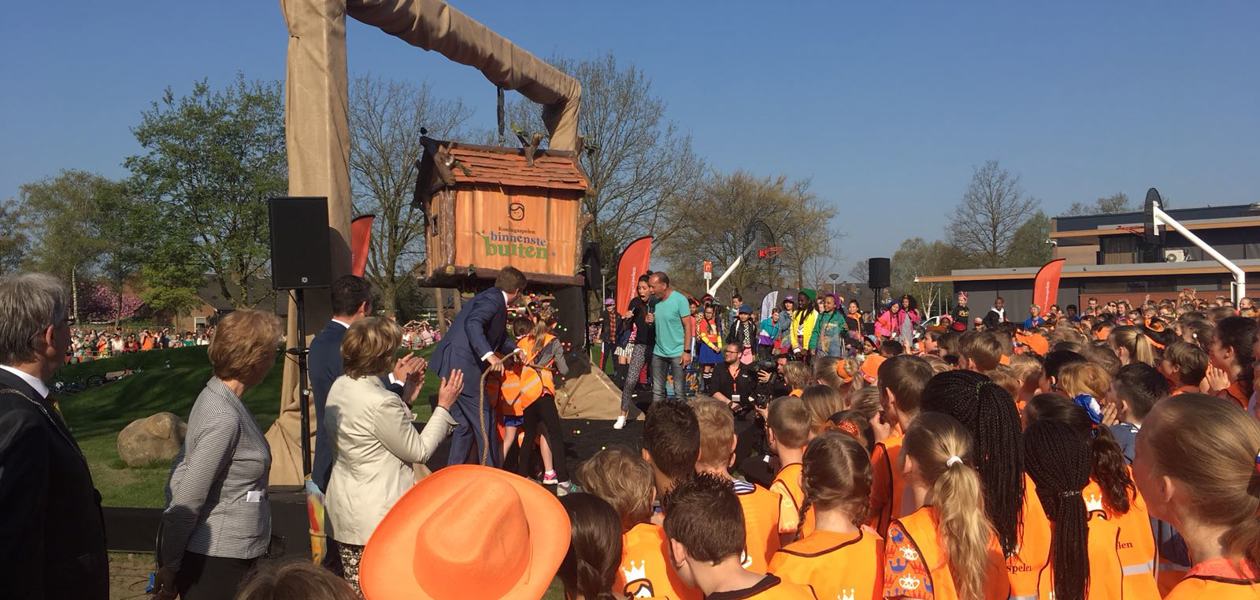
(770, 381)
(733, 383)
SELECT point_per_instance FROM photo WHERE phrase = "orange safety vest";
(887, 483)
(921, 527)
(1136, 545)
(787, 484)
(522, 384)
(761, 527)
(645, 570)
(1106, 580)
(784, 590)
(1024, 567)
(836, 565)
(1218, 579)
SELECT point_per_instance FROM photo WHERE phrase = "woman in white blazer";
(374, 441)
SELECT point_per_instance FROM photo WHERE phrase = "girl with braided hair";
(947, 548)
(988, 412)
(1198, 466)
(589, 569)
(1231, 354)
(1083, 545)
(1110, 492)
(839, 558)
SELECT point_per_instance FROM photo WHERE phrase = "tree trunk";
(74, 292)
(441, 309)
(389, 300)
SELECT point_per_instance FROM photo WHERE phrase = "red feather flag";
(633, 263)
(1046, 286)
(360, 242)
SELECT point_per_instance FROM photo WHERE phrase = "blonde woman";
(217, 520)
(374, 441)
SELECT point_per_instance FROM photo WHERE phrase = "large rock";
(152, 439)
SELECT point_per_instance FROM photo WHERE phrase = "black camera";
(767, 366)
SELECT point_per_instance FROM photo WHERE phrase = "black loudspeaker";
(300, 257)
(879, 272)
(592, 268)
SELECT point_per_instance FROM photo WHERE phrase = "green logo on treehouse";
(501, 243)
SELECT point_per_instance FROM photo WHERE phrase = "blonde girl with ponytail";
(839, 558)
(1198, 467)
(1132, 345)
(947, 549)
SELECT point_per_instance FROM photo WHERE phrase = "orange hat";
(842, 370)
(1036, 342)
(870, 367)
(467, 531)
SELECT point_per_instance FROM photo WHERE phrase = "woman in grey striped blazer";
(218, 520)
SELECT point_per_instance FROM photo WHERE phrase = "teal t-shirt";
(669, 328)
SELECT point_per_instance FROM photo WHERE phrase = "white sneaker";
(564, 488)
(620, 423)
(549, 478)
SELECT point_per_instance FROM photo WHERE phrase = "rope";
(481, 409)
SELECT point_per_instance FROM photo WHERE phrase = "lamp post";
(833, 277)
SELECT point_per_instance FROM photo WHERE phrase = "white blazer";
(374, 446)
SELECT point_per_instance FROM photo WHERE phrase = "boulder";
(156, 438)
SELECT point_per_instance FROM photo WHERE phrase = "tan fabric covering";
(434, 25)
(318, 143)
(589, 396)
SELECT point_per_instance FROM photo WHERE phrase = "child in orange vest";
(1198, 467)
(901, 381)
(1084, 559)
(787, 427)
(624, 480)
(840, 558)
(705, 528)
(946, 548)
(760, 506)
(1010, 499)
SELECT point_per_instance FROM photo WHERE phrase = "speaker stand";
(304, 400)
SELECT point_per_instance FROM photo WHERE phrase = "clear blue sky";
(885, 106)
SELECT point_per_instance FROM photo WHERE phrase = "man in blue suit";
(478, 341)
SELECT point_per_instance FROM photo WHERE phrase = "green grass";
(96, 415)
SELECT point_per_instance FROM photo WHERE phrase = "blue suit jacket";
(480, 327)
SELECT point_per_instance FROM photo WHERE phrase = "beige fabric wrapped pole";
(317, 140)
(434, 25)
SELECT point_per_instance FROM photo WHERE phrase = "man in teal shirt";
(671, 319)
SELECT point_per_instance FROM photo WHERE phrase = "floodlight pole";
(1238, 288)
(727, 273)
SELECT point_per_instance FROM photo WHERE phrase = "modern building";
(1106, 257)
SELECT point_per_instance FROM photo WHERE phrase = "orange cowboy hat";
(870, 367)
(1035, 342)
(468, 532)
(842, 371)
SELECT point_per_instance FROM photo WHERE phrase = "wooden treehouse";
(486, 208)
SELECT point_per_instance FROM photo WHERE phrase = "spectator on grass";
(217, 520)
(374, 443)
(50, 515)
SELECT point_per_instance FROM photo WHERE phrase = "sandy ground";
(129, 575)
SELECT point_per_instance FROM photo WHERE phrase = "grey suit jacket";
(217, 496)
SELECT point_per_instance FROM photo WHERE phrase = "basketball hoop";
(769, 252)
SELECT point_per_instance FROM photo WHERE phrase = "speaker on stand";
(300, 260)
(879, 274)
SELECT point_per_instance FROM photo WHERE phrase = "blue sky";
(885, 107)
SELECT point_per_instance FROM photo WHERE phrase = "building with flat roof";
(1106, 257)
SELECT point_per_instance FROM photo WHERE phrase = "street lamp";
(833, 277)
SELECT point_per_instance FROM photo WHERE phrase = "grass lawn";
(165, 380)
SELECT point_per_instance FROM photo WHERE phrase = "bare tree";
(711, 226)
(1115, 203)
(861, 272)
(638, 161)
(385, 122)
(992, 208)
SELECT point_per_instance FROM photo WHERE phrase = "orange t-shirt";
(772, 588)
(1023, 567)
(836, 565)
(645, 570)
(147, 343)
(1136, 544)
(1218, 579)
(1236, 393)
(887, 483)
(916, 566)
(787, 484)
(761, 524)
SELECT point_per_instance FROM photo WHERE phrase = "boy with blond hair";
(788, 425)
(760, 506)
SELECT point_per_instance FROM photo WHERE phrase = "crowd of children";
(1067, 461)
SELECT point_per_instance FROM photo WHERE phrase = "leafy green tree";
(12, 239)
(1115, 203)
(1030, 246)
(918, 257)
(210, 160)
